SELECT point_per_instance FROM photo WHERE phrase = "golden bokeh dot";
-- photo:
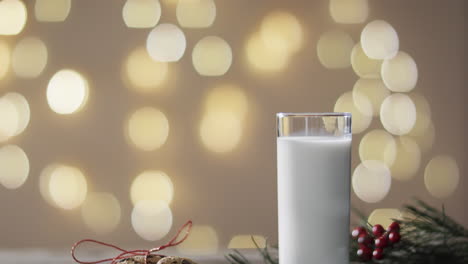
(441, 176)
(67, 92)
(203, 240)
(151, 219)
(67, 186)
(349, 11)
(398, 114)
(220, 131)
(147, 128)
(229, 98)
(10, 119)
(144, 74)
(361, 120)
(152, 185)
(282, 32)
(29, 57)
(372, 90)
(52, 10)
(408, 159)
(14, 166)
(384, 216)
(334, 49)
(4, 58)
(245, 241)
(263, 57)
(400, 73)
(166, 43)
(426, 139)
(22, 111)
(364, 66)
(378, 145)
(141, 13)
(101, 212)
(371, 181)
(196, 13)
(13, 16)
(379, 40)
(212, 56)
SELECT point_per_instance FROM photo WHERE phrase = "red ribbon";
(130, 253)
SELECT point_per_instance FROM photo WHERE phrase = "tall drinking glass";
(314, 156)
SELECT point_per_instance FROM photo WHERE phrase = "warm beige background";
(234, 192)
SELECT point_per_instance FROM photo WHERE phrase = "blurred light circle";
(9, 117)
(152, 185)
(101, 212)
(212, 56)
(67, 92)
(245, 241)
(229, 98)
(400, 73)
(441, 176)
(148, 128)
(364, 66)
(379, 40)
(52, 10)
(29, 57)
(263, 57)
(166, 43)
(421, 103)
(14, 166)
(145, 74)
(67, 187)
(371, 181)
(282, 32)
(334, 49)
(383, 216)
(141, 13)
(203, 240)
(44, 180)
(378, 145)
(372, 90)
(349, 11)
(22, 111)
(398, 114)
(408, 159)
(196, 13)
(151, 219)
(220, 131)
(423, 115)
(361, 120)
(4, 58)
(426, 139)
(13, 16)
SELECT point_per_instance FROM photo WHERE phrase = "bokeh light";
(400, 73)
(67, 92)
(101, 212)
(334, 49)
(384, 216)
(52, 10)
(379, 40)
(398, 114)
(203, 240)
(228, 98)
(44, 180)
(144, 74)
(29, 57)
(408, 159)
(196, 13)
(141, 13)
(441, 176)
(245, 241)
(67, 186)
(14, 166)
(378, 145)
(212, 56)
(147, 128)
(349, 11)
(372, 90)
(281, 32)
(361, 120)
(426, 139)
(4, 59)
(423, 115)
(152, 185)
(15, 114)
(263, 57)
(151, 219)
(371, 181)
(220, 131)
(166, 43)
(364, 66)
(13, 16)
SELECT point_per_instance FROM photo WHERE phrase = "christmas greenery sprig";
(428, 236)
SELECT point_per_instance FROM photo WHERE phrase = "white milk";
(313, 199)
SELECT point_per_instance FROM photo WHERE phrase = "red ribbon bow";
(130, 253)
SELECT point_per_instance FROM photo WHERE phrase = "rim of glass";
(331, 114)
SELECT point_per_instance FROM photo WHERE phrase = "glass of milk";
(314, 156)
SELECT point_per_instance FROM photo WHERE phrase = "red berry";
(394, 237)
(381, 242)
(393, 227)
(378, 253)
(358, 231)
(364, 239)
(364, 253)
(378, 230)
